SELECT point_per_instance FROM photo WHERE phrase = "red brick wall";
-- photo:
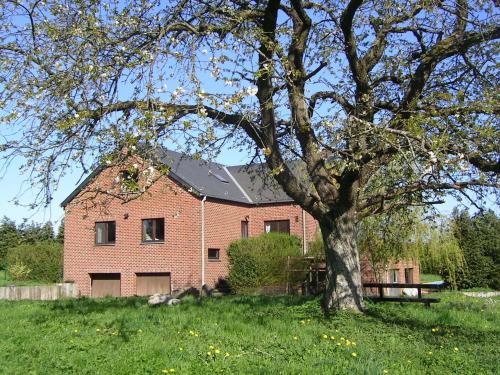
(180, 254)
(223, 225)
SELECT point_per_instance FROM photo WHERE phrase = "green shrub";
(261, 261)
(44, 259)
(19, 271)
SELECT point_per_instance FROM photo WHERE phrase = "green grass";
(5, 280)
(429, 278)
(261, 335)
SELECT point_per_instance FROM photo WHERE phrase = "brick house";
(174, 234)
(170, 231)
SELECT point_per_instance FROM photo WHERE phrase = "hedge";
(44, 260)
(261, 261)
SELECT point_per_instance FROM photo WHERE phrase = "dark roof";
(247, 184)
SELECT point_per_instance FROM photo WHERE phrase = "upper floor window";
(105, 233)
(153, 230)
(282, 226)
(244, 229)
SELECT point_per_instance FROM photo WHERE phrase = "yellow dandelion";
(171, 370)
(353, 343)
(332, 337)
(302, 322)
(209, 353)
(139, 330)
(455, 349)
(165, 371)
(181, 349)
(325, 336)
(385, 371)
(211, 347)
(295, 338)
(195, 335)
(226, 354)
(347, 343)
(76, 331)
(354, 354)
(217, 351)
(97, 330)
(308, 320)
(338, 344)
(430, 353)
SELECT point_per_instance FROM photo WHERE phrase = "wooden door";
(151, 283)
(105, 284)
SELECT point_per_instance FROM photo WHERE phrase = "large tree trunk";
(343, 284)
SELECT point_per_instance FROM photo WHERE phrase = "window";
(409, 275)
(282, 226)
(394, 276)
(105, 233)
(213, 254)
(153, 230)
(244, 229)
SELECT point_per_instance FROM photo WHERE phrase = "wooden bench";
(419, 287)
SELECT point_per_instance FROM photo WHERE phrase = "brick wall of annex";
(223, 225)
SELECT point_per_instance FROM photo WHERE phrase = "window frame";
(409, 275)
(271, 222)
(107, 242)
(244, 229)
(143, 232)
(217, 259)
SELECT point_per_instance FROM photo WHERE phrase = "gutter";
(304, 233)
(203, 242)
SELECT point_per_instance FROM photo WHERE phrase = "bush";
(19, 271)
(261, 261)
(44, 259)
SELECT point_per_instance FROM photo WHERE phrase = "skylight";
(218, 177)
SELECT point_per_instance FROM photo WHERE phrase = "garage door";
(151, 283)
(105, 284)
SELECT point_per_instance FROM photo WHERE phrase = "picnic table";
(382, 298)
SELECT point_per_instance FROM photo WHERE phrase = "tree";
(60, 232)
(479, 239)
(9, 238)
(35, 232)
(386, 103)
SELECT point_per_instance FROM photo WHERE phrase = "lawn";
(429, 278)
(248, 335)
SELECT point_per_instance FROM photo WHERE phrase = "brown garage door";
(105, 284)
(151, 283)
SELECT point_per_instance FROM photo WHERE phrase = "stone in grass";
(162, 299)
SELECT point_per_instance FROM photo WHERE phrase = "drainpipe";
(304, 233)
(203, 242)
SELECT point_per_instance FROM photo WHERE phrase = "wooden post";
(287, 273)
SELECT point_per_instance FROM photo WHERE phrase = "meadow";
(248, 335)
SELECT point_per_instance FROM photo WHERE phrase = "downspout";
(203, 242)
(304, 233)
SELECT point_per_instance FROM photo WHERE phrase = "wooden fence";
(40, 292)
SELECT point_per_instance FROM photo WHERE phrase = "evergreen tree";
(9, 238)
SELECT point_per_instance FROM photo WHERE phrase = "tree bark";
(343, 286)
